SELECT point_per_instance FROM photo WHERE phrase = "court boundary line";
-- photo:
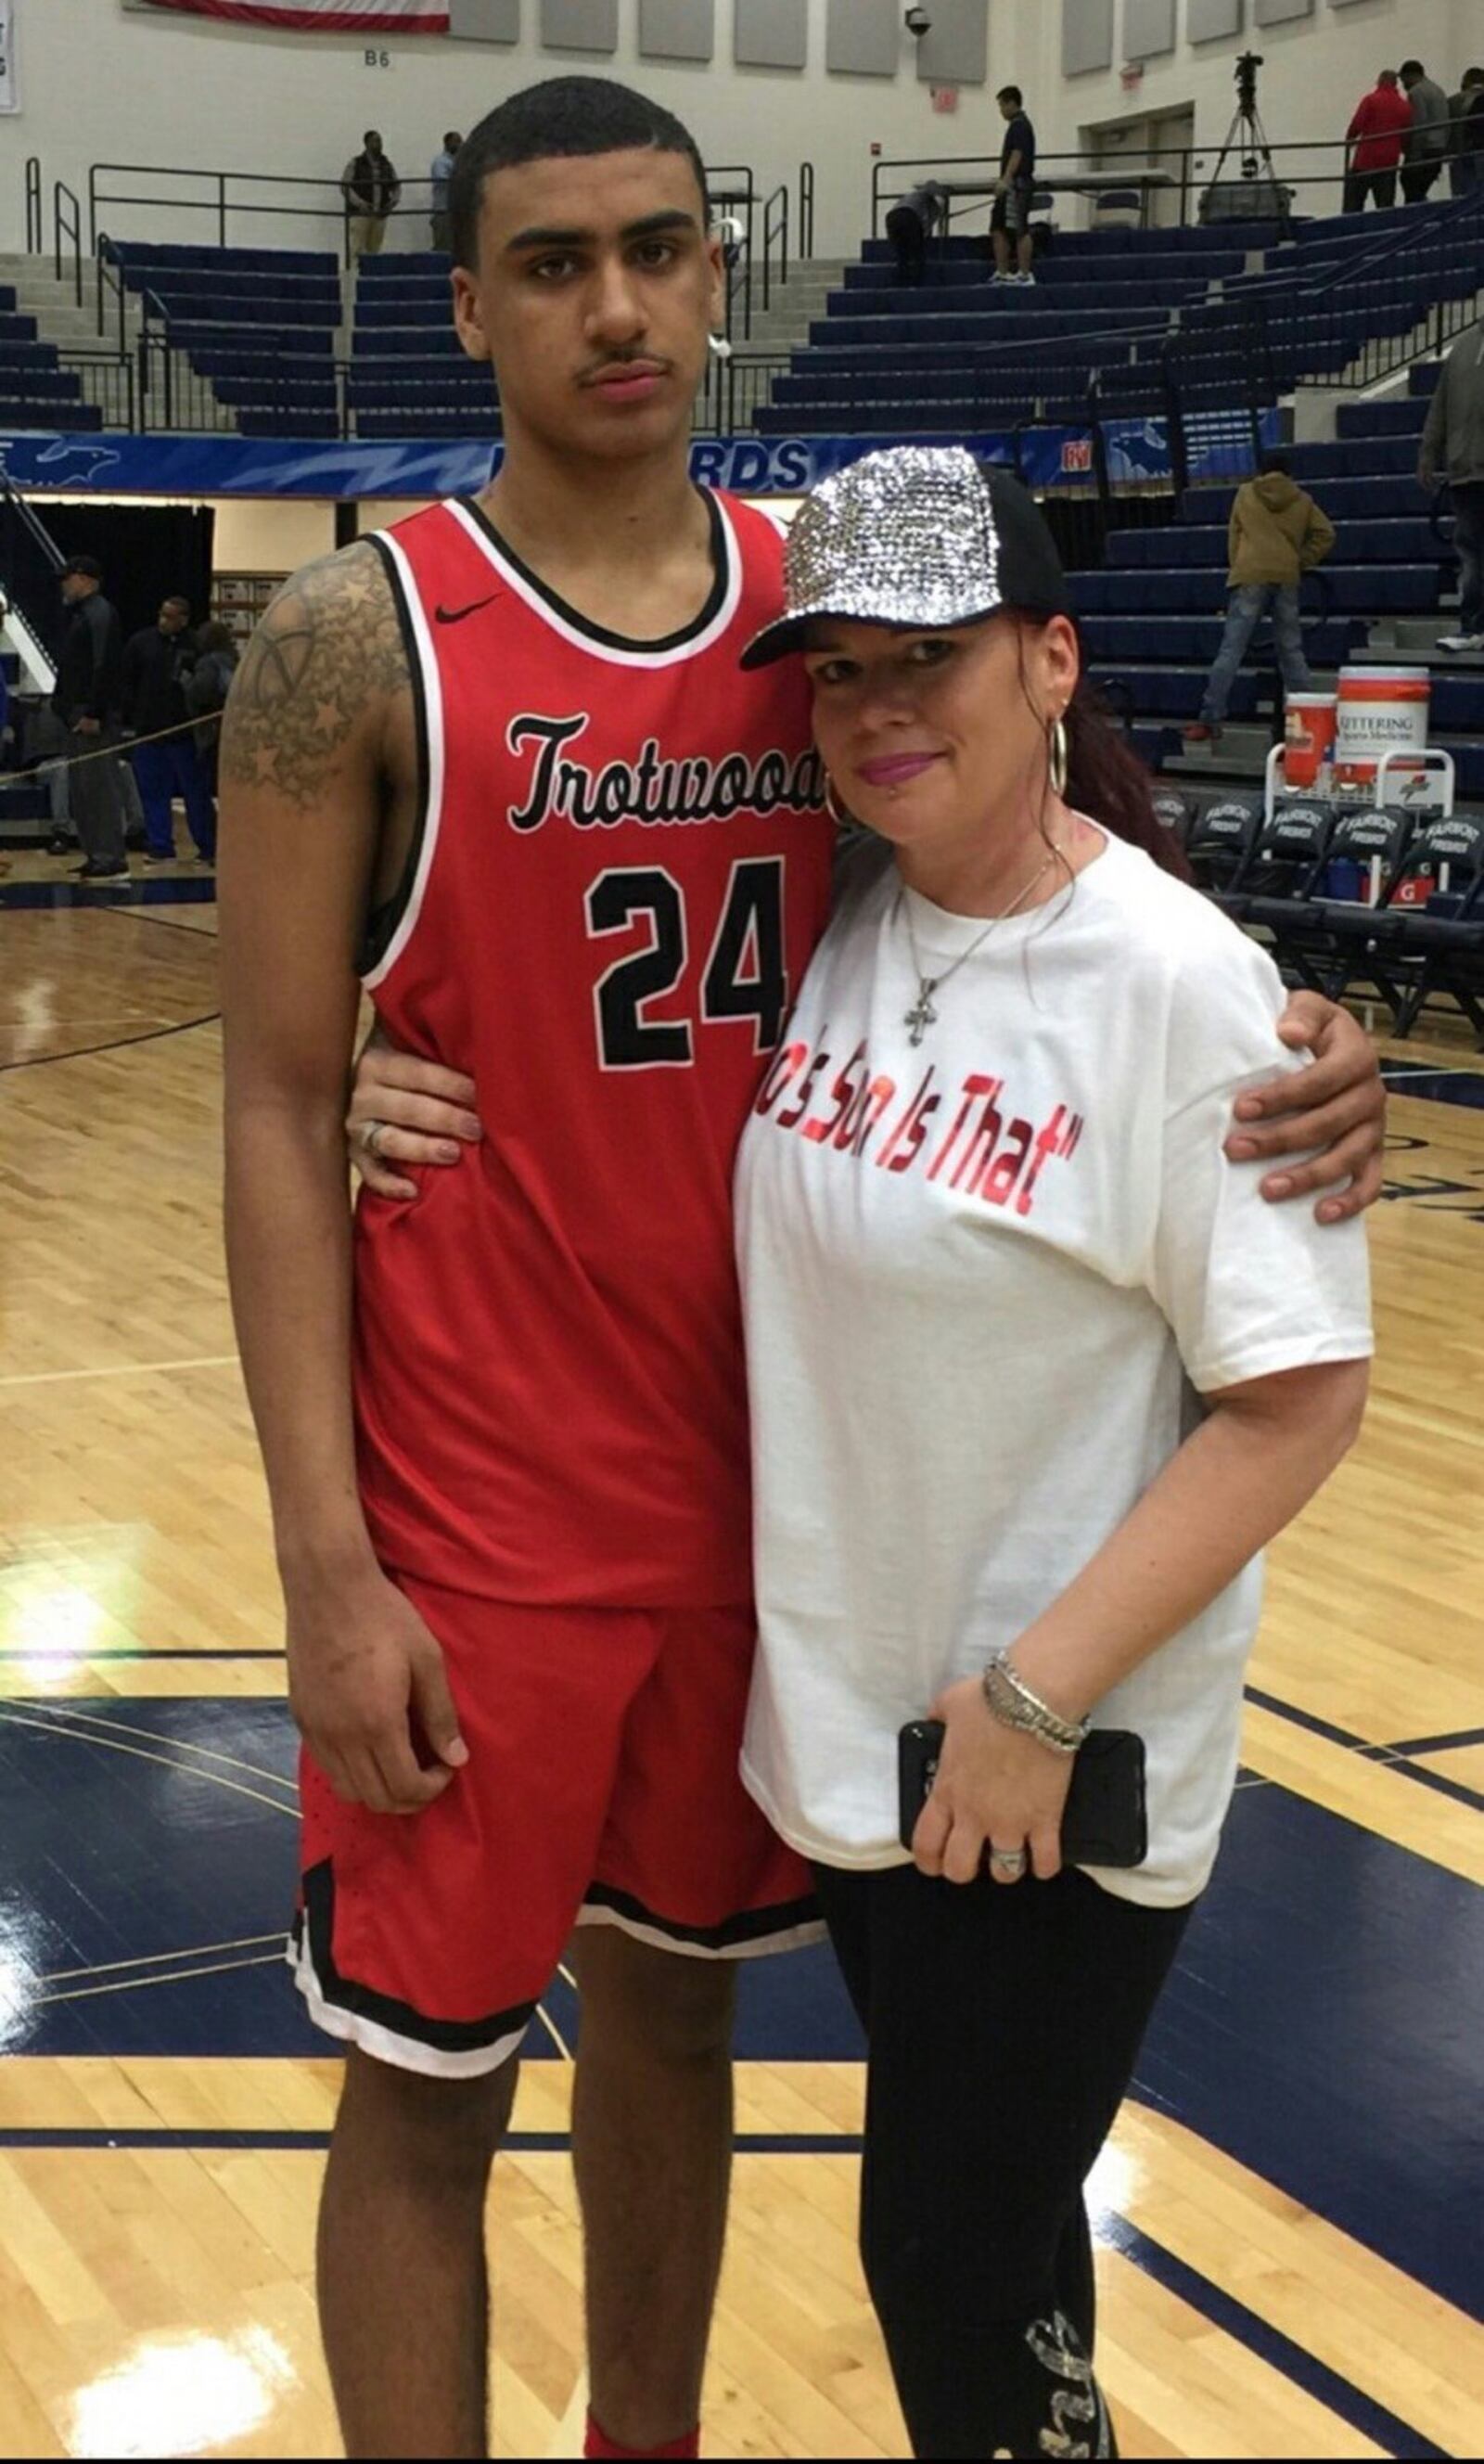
(117, 1369)
(158, 1958)
(141, 914)
(1457, 1740)
(1391, 1758)
(124, 1044)
(1290, 2360)
(13, 1719)
(95, 1727)
(126, 1651)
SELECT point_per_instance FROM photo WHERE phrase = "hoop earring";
(1056, 757)
(718, 346)
(842, 820)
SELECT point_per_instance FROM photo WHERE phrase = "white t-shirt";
(984, 1282)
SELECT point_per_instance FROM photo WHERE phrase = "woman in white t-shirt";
(1034, 1376)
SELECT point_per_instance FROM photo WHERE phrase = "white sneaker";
(1460, 640)
(1023, 278)
(1002, 278)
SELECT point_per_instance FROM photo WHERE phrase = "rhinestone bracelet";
(1016, 1705)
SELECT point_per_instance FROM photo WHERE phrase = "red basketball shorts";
(602, 1788)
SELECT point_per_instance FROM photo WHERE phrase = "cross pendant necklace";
(921, 1015)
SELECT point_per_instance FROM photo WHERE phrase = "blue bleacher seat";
(427, 261)
(29, 411)
(1113, 640)
(1173, 590)
(1367, 419)
(1375, 542)
(222, 260)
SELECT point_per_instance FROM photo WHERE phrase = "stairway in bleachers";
(409, 375)
(258, 326)
(36, 390)
(1248, 313)
(1152, 618)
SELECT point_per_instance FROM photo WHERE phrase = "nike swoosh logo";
(456, 615)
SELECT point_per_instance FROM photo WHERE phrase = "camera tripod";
(1248, 139)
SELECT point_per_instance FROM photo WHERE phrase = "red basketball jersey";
(621, 871)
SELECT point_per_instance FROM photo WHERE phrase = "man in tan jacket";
(1278, 535)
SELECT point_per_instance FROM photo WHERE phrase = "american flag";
(325, 16)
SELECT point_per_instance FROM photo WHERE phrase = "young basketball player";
(501, 764)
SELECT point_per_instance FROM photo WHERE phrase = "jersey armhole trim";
(389, 927)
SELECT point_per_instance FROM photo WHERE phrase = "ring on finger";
(1008, 1862)
(371, 1139)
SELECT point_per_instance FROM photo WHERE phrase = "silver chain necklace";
(921, 1015)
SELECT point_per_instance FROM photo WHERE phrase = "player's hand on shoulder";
(369, 1693)
(1334, 1112)
(405, 1110)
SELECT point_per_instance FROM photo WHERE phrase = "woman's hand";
(1337, 1107)
(416, 1112)
(995, 1788)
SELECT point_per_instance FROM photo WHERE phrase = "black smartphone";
(1106, 1821)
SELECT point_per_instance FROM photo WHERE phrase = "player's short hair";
(1388, 77)
(1276, 464)
(568, 117)
(1011, 94)
(1413, 68)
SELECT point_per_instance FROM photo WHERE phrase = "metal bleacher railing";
(231, 202)
(31, 562)
(1175, 185)
(1393, 304)
(1338, 302)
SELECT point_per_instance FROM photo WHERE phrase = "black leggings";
(1003, 2025)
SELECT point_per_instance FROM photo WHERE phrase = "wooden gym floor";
(1288, 2217)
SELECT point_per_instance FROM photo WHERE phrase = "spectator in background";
(45, 745)
(207, 688)
(87, 697)
(911, 225)
(1010, 216)
(441, 173)
(1427, 143)
(155, 664)
(1465, 130)
(1378, 134)
(372, 191)
(1453, 448)
(1278, 535)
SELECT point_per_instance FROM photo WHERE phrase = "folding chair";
(1221, 842)
(1286, 864)
(1443, 943)
(1174, 813)
(1333, 944)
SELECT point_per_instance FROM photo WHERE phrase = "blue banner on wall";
(1138, 453)
(244, 465)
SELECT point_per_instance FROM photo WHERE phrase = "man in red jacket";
(1378, 133)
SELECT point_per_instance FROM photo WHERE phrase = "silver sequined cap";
(916, 536)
